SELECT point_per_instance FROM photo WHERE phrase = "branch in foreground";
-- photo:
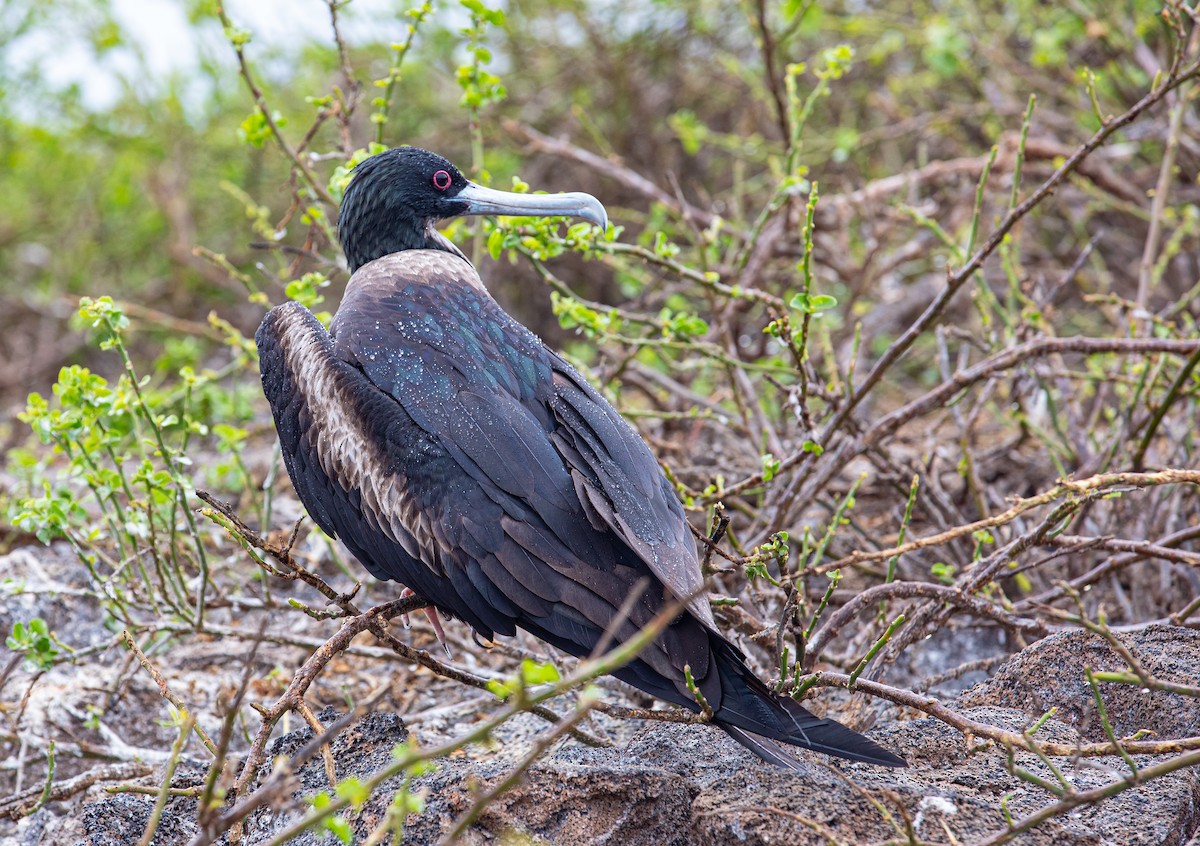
(406, 757)
(1098, 794)
(17, 805)
(973, 728)
(293, 697)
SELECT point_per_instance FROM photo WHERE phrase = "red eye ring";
(442, 180)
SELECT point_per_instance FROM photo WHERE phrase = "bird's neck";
(438, 241)
(369, 243)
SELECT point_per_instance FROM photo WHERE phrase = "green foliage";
(812, 304)
(49, 516)
(353, 791)
(529, 674)
(480, 87)
(943, 572)
(572, 314)
(774, 549)
(255, 130)
(400, 50)
(770, 466)
(335, 824)
(35, 642)
(946, 46)
(682, 326)
(124, 445)
(307, 291)
(539, 237)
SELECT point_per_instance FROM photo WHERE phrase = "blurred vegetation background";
(116, 199)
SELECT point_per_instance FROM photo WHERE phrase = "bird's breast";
(422, 322)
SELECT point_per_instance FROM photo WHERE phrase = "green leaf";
(495, 243)
(353, 791)
(538, 673)
(499, 689)
(255, 129)
(664, 248)
(340, 828)
(812, 303)
(943, 572)
(33, 640)
(307, 289)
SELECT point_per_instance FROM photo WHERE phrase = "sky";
(63, 55)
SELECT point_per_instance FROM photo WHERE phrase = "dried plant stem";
(973, 728)
(1074, 800)
(165, 690)
(22, 804)
(587, 701)
(1178, 75)
(584, 672)
(1166, 176)
(906, 590)
(164, 792)
(1064, 488)
(260, 101)
(292, 698)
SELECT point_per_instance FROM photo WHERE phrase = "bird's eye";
(441, 180)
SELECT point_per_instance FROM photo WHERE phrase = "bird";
(453, 452)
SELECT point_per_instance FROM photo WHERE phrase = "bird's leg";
(432, 615)
(405, 594)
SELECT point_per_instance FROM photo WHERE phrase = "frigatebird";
(454, 453)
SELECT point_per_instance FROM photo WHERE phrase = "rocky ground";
(659, 783)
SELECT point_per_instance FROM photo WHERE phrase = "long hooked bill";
(482, 200)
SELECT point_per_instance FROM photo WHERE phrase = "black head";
(397, 196)
(392, 201)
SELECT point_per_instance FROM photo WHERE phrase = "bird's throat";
(363, 245)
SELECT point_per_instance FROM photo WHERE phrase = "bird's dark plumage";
(451, 451)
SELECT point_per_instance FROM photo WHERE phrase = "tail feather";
(768, 750)
(748, 705)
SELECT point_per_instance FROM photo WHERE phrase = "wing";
(350, 453)
(517, 415)
(446, 474)
(621, 486)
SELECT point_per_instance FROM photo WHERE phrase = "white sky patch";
(161, 43)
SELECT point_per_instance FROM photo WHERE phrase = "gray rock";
(559, 803)
(685, 784)
(359, 750)
(120, 821)
(51, 583)
(1050, 674)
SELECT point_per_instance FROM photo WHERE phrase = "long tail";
(748, 705)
